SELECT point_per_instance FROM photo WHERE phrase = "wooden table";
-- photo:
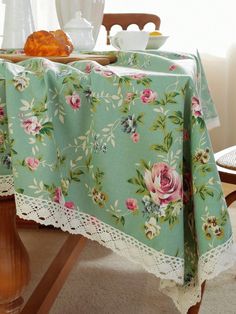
(14, 260)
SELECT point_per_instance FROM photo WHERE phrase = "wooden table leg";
(51, 283)
(195, 309)
(14, 260)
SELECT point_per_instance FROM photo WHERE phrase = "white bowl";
(155, 42)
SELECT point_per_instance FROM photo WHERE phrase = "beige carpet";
(104, 283)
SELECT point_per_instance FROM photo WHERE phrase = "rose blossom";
(163, 183)
(88, 68)
(147, 96)
(131, 204)
(107, 73)
(138, 76)
(32, 163)
(135, 137)
(74, 101)
(172, 67)
(1, 113)
(129, 97)
(31, 126)
(59, 198)
(70, 205)
(196, 106)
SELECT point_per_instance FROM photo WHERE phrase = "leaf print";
(159, 148)
(168, 140)
(172, 212)
(145, 81)
(72, 80)
(75, 175)
(204, 191)
(169, 98)
(124, 80)
(38, 110)
(177, 118)
(26, 105)
(46, 128)
(119, 219)
(140, 118)
(159, 123)
(144, 164)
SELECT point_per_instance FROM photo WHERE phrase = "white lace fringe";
(6, 185)
(170, 269)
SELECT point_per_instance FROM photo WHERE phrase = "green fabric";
(126, 144)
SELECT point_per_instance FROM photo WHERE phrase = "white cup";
(130, 40)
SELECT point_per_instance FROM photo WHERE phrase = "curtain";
(209, 26)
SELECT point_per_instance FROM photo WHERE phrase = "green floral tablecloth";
(120, 154)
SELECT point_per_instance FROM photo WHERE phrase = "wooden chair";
(126, 19)
(226, 165)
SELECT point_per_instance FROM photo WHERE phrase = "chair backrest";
(126, 19)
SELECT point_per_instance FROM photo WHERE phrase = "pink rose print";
(135, 137)
(59, 198)
(70, 205)
(138, 76)
(163, 183)
(196, 107)
(88, 68)
(107, 73)
(172, 67)
(74, 101)
(1, 113)
(148, 96)
(131, 204)
(31, 126)
(129, 97)
(97, 68)
(32, 163)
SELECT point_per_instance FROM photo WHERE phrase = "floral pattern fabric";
(127, 146)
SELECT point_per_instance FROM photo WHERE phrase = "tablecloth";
(120, 154)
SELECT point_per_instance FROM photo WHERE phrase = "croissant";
(43, 43)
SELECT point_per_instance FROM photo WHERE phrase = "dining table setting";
(114, 146)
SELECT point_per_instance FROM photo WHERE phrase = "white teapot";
(80, 32)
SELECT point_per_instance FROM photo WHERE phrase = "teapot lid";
(78, 22)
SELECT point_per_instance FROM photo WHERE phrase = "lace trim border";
(170, 269)
(6, 185)
(48, 212)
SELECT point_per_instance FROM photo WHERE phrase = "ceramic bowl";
(155, 42)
